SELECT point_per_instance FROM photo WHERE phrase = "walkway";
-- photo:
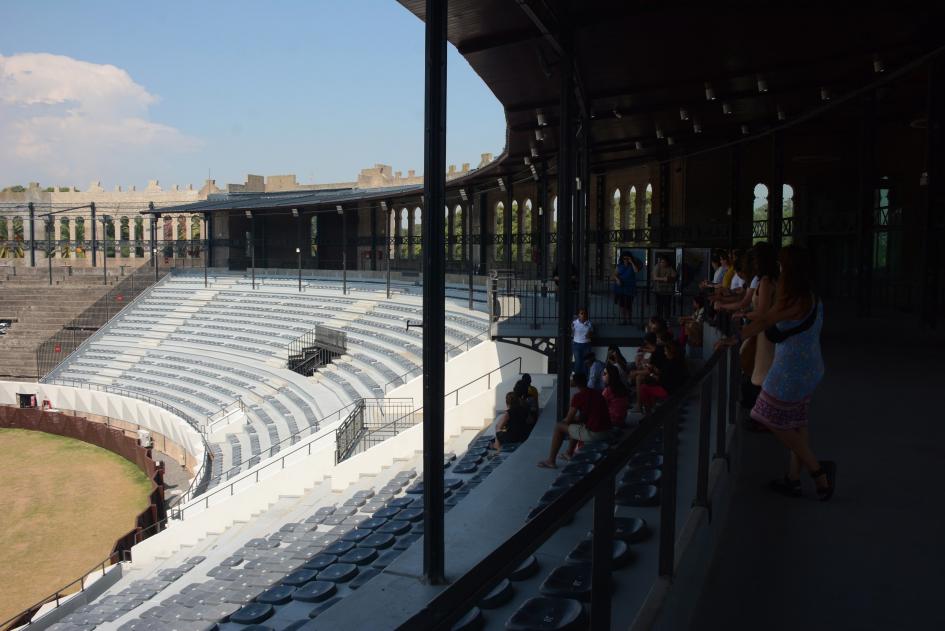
(871, 558)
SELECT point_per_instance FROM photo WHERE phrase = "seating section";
(291, 563)
(200, 350)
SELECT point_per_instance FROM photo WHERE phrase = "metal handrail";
(465, 591)
(17, 620)
(402, 378)
(223, 413)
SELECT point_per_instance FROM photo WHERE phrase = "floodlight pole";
(49, 229)
(434, 295)
(387, 249)
(104, 250)
(206, 250)
(298, 255)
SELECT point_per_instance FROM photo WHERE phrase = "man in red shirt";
(587, 420)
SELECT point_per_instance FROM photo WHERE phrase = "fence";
(716, 384)
(372, 421)
(62, 344)
(315, 348)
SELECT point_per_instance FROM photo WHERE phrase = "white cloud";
(70, 120)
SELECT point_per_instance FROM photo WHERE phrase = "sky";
(124, 92)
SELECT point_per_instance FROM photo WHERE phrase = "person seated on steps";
(528, 394)
(513, 426)
(617, 396)
(587, 420)
(594, 369)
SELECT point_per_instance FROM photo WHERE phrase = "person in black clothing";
(513, 426)
(664, 380)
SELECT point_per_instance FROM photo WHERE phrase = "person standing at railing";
(625, 286)
(793, 324)
(664, 284)
(582, 332)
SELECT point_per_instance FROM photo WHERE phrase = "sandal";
(786, 487)
(827, 468)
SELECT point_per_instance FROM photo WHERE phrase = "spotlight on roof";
(638, 145)
(298, 251)
(878, 66)
(339, 209)
(709, 92)
(462, 193)
(762, 84)
(295, 212)
(745, 130)
(534, 172)
(781, 114)
(384, 204)
(683, 114)
(659, 132)
(726, 108)
(824, 94)
(249, 214)
(501, 184)
(617, 113)
(541, 118)
(696, 127)
(534, 150)
(539, 135)
(527, 160)
(670, 141)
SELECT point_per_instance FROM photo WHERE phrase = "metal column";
(543, 223)
(484, 233)
(602, 227)
(208, 224)
(866, 205)
(734, 195)
(565, 209)
(373, 238)
(935, 199)
(663, 216)
(467, 245)
(434, 296)
(776, 192)
(507, 223)
(33, 235)
(94, 245)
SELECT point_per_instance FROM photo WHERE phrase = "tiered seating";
(290, 564)
(201, 349)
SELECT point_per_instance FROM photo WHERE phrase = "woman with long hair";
(793, 324)
(617, 396)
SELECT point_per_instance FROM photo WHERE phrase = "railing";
(314, 349)
(466, 344)
(369, 416)
(201, 477)
(56, 349)
(222, 417)
(716, 376)
(357, 441)
(25, 617)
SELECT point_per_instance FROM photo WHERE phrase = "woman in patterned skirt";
(793, 324)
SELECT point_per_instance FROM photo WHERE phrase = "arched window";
(4, 237)
(528, 226)
(139, 236)
(80, 237)
(417, 230)
(195, 249)
(499, 232)
(403, 232)
(167, 236)
(616, 220)
(787, 215)
(632, 210)
(109, 237)
(65, 239)
(759, 230)
(124, 236)
(648, 206)
(516, 231)
(313, 242)
(458, 232)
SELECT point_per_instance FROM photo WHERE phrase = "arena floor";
(63, 503)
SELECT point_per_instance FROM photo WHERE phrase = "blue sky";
(124, 92)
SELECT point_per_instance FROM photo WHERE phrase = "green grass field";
(63, 503)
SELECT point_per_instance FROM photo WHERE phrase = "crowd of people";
(771, 299)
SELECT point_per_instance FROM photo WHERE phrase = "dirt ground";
(63, 503)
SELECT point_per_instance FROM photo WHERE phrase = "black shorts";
(623, 300)
(506, 437)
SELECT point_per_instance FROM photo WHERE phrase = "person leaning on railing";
(793, 324)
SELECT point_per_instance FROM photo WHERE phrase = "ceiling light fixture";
(762, 84)
(659, 132)
(878, 66)
(527, 160)
(745, 130)
(670, 141)
(539, 135)
(249, 214)
(462, 193)
(339, 209)
(295, 213)
(696, 127)
(781, 114)
(683, 114)
(617, 114)
(501, 184)
(824, 94)
(541, 118)
(534, 150)
(709, 92)
(638, 145)
(384, 204)
(726, 108)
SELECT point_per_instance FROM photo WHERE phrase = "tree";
(14, 189)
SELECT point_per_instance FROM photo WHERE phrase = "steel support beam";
(94, 233)
(935, 198)
(564, 253)
(776, 192)
(507, 222)
(543, 223)
(32, 235)
(373, 238)
(208, 226)
(601, 192)
(434, 296)
(484, 232)
(734, 198)
(866, 206)
(663, 216)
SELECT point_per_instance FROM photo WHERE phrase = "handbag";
(746, 355)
